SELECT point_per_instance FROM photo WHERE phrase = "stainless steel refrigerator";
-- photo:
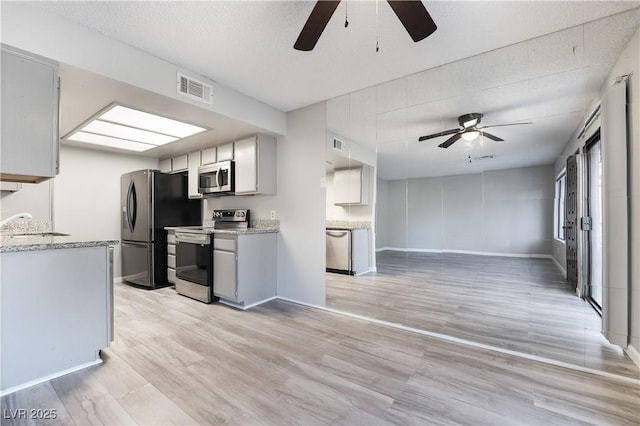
(151, 200)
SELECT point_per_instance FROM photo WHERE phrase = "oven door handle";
(193, 238)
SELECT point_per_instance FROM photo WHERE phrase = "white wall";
(87, 194)
(382, 201)
(299, 205)
(629, 63)
(301, 202)
(502, 211)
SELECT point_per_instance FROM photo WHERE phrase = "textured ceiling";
(513, 61)
(247, 45)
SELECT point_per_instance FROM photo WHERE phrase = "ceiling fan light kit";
(469, 130)
(470, 135)
(411, 13)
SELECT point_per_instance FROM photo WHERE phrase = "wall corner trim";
(633, 354)
(564, 273)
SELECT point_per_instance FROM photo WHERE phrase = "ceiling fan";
(412, 14)
(469, 130)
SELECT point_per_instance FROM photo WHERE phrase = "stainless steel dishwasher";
(338, 250)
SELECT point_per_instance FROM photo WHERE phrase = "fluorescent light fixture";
(129, 133)
(470, 135)
(130, 129)
(155, 123)
(109, 141)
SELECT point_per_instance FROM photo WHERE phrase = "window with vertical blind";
(558, 208)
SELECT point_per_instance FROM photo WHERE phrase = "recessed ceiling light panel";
(130, 129)
(94, 139)
(155, 123)
(124, 132)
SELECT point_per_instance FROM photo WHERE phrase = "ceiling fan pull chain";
(377, 32)
(346, 13)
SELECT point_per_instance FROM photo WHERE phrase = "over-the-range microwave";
(216, 178)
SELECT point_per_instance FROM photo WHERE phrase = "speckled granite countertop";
(34, 242)
(258, 226)
(348, 224)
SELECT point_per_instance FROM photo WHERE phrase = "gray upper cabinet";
(179, 164)
(225, 152)
(255, 163)
(351, 186)
(30, 136)
(165, 165)
(194, 161)
(209, 156)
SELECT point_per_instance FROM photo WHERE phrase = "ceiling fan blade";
(435, 135)
(315, 25)
(492, 137)
(450, 141)
(503, 125)
(414, 17)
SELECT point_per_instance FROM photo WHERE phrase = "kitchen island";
(56, 296)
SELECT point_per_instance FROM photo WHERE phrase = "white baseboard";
(245, 307)
(633, 354)
(118, 280)
(564, 273)
(477, 253)
(49, 377)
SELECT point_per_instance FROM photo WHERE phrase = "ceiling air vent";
(338, 145)
(194, 89)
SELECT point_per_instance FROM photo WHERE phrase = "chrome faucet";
(15, 217)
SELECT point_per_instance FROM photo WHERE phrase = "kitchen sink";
(39, 234)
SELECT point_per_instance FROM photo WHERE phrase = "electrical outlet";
(273, 214)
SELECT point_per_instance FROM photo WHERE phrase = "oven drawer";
(171, 275)
(171, 261)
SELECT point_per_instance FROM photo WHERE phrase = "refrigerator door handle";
(128, 207)
(132, 206)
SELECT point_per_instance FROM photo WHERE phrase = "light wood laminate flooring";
(520, 304)
(178, 361)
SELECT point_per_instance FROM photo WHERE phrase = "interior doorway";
(593, 221)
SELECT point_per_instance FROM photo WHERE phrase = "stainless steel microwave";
(216, 178)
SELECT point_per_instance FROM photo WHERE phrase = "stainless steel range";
(194, 253)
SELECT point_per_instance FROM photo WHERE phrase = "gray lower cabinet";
(55, 317)
(244, 268)
(171, 256)
(30, 136)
